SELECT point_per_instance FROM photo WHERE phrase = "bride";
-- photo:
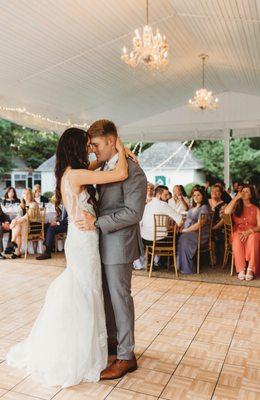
(68, 342)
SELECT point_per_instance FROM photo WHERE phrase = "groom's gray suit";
(121, 207)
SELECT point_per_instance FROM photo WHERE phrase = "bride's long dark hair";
(71, 152)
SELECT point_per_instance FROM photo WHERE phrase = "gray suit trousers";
(119, 307)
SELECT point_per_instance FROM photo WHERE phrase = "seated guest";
(158, 205)
(150, 190)
(195, 187)
(234, 189)
(183, 191)
(217, 205)
(38, 196)
(19, 223)
(4, 227)
(188, 241)
(257, 191)
(225, 195)
(246, 233)
(53, 229)
(178, 202)
(10, 197)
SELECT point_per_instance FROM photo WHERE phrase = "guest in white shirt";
(179, 202)
(158, 205)
(150, 192)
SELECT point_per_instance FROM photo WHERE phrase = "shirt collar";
(112, 162)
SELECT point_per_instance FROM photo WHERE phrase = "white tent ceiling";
(61, 59)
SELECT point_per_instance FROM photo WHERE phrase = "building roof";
(160, 151)
(47, 165)
(150, 158)
(19, 164)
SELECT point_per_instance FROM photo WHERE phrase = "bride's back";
(74, 202)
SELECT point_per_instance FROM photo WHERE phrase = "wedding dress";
(68, 342)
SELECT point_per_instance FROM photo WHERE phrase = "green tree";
(6, 142)
(35, 147)
(244, 158)
(211, 153)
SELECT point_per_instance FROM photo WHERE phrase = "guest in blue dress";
(188, 241)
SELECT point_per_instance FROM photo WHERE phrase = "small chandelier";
(203, 98)
(149, 50)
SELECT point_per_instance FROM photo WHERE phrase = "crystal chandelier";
(203, 98)
(149, 50)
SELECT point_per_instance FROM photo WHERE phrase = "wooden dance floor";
(194, 340)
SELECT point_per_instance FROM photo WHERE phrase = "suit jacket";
(121, 207)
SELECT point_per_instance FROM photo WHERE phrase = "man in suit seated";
(52, 229)
(4, 227)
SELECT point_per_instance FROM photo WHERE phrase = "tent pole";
(227, 135)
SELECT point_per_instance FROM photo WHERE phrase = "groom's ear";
(111, 140)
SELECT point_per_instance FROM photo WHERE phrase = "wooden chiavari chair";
(205, 223)
(164, 243)
(228, 229)
(35, 219)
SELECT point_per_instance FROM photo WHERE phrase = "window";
(20, 181)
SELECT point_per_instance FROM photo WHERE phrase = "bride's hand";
(130, 154)
(119, 146)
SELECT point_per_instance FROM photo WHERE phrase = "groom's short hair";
(102, 127)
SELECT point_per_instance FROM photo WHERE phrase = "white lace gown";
(68, 342)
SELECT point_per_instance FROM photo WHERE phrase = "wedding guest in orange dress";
(246, 232)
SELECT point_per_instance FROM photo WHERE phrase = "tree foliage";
(6, 142)
(33, 146)
(244, 158)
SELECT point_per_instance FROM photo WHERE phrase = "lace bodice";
(75, 203)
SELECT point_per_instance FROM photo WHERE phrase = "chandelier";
(203, 98)
(149, 50)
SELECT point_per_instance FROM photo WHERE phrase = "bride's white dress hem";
(68, 342)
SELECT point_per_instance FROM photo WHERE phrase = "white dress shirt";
(177, 205)
(156, 206)
(111, 164)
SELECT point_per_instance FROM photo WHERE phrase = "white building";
(46, 169)
(20, 176)
(168, 174)
(191, 170)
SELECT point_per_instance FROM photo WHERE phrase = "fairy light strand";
(185, 156)
(24, 112)
(169, 158)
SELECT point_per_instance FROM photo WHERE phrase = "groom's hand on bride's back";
(87, 223)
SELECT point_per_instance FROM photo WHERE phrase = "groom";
(121, 207)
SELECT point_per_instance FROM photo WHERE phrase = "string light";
(186, 156)
(39, 117)
(169, 158)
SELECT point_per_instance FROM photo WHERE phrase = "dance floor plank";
(194, 340)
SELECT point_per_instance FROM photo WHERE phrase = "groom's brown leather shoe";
(118, 369)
